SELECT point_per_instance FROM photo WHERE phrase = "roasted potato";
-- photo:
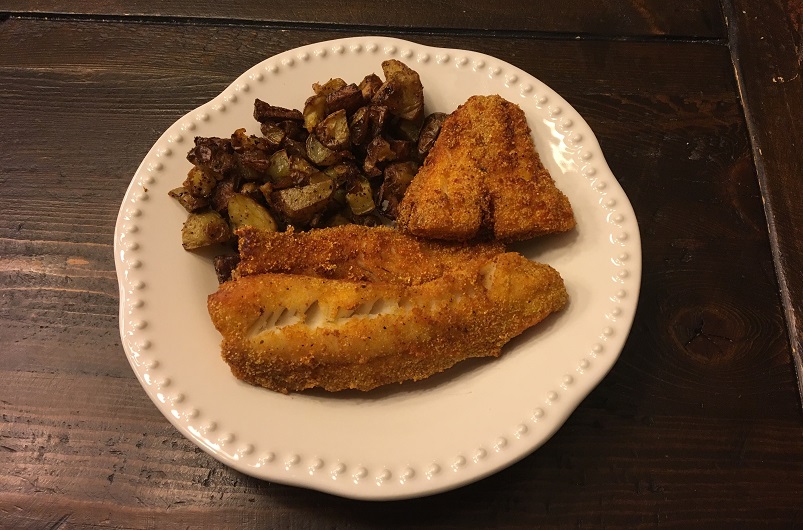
(319, 154)
(429, 133)
(327, 88)
(367, 123)
(314, 111)
(348, 98)
(252, 190)
(343, 173)
(190, 202)
(223, 192)
(279, 169)
(294, 130)
(253, 165)
(215, 156)
(224, 265)
(369, 85)
(295, 147)
(263, 112)
(402, 92)
(360, 126)
(402, 149)
(407, 129)
(299, 206)
(204, 229)
(274, 135)
(199, 183)
(333, 131)
(360, 197)
(347, 157)
(245, 211)
(240, 141)
(300, 170)
(398, 176)
(378, 151)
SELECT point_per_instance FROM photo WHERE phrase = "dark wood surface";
(687, 18)
(698, 424)
(769, 72)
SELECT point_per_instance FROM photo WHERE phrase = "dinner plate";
(404, 440)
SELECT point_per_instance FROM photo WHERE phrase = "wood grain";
(768, 56)
(688, 19)
(697, 424)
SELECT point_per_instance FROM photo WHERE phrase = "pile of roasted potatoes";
(348, 157)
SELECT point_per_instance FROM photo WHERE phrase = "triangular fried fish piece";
(483, 177)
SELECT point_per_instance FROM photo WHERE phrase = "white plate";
(408, 440)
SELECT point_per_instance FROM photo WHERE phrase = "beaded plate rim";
(346, 475)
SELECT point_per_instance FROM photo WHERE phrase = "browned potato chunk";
(327, 88)
(240, 141)
(348, 98)
(187, 200)
(274, 135)
(251, 190)
(264, 112)
(214, 155)
(300, 205)
(223, 192)
(369, 86)
(266, 189)
(279, 169)
(342, 172)
(253, 165)
(204, 229)
(360, 197)
(320, 176)
(401, 149)
(378, 151)
(402, 92)
(301, 170)
(367, 123)
(429, 133)
(245, 211)
(199, 183)
(359, 126)
(319, 154)
(224, 265)
(295, 147)
(409, 130)
(398, 176)
(294, 130)
(333, 131)
(314, 111)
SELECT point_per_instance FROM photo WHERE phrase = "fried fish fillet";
(291, 332)
(483, 176)
(354, 252)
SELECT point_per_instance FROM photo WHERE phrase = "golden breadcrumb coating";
(290, 332)
(354, 252)
(483, 177)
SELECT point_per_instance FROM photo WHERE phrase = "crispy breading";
(291, 332)
(354, 252)
(482, 177)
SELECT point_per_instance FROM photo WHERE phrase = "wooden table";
(697, 106)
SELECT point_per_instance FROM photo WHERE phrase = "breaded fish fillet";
(354, 252)
(292, 332)
(483, 176)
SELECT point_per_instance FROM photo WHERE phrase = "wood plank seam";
(793, 330)
(366, 29)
